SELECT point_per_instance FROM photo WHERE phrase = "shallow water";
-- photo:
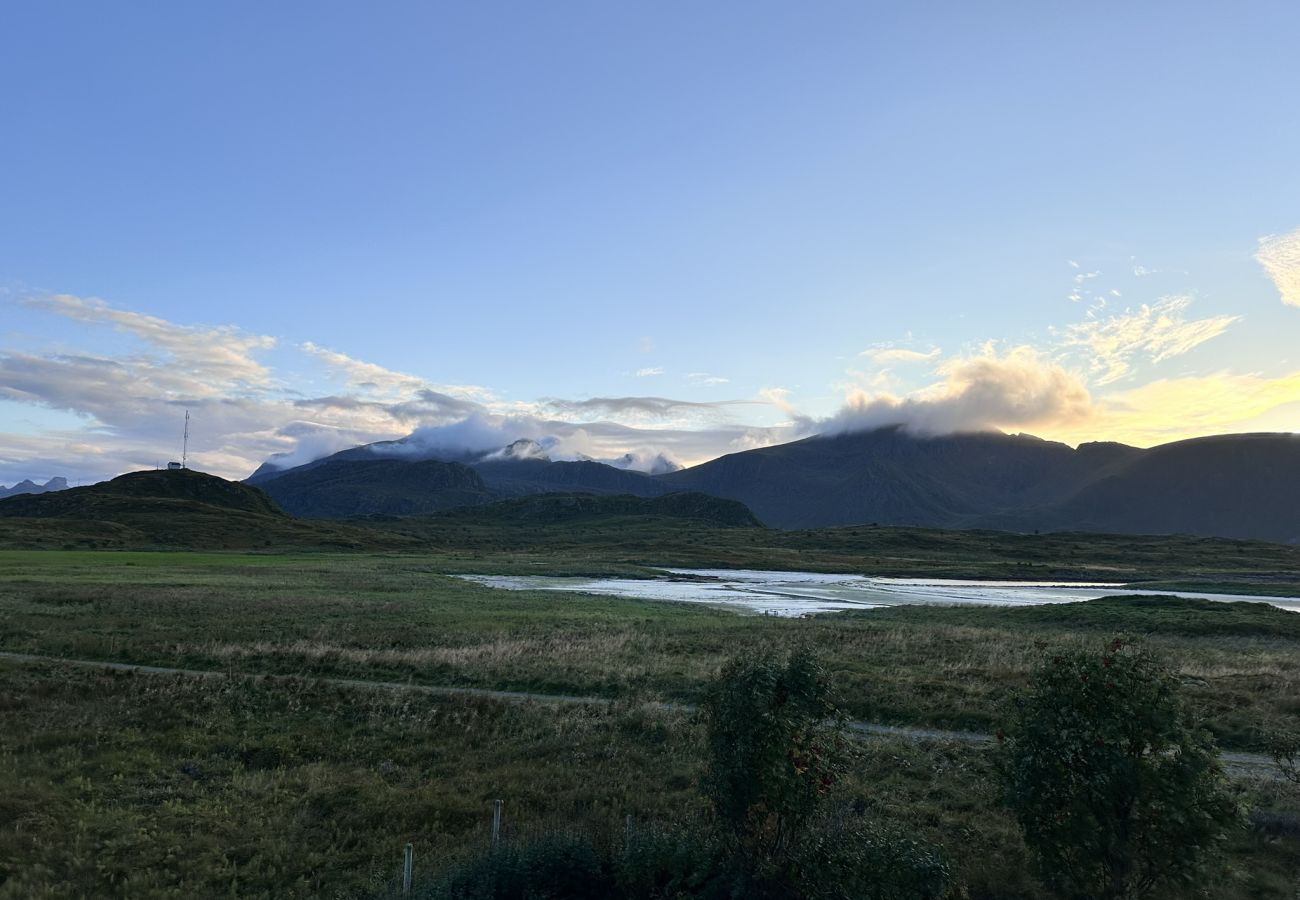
(804, 593)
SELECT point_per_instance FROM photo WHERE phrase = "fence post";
(408, 864)
(496, 823)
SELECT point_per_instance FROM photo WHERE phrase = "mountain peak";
(27, 486)
(522, 449)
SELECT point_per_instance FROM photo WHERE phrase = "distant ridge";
(389, 478)
(1240, 486)
(28, 486)
(1236, 486)
(388, 486)
(547, 509)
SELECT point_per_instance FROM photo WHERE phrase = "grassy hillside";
(127, 493)
(168, 509)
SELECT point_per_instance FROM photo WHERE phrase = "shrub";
(776, 750)
(849, 858)
(554, 867)
(1115, 789)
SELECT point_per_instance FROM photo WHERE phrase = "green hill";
(167, 509)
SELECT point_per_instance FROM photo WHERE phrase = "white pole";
(496, 823)
(408, 862)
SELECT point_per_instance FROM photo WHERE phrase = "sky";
(668, 228)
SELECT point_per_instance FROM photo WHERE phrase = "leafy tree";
(776, 750)
(1284, 747)
(1116, 790)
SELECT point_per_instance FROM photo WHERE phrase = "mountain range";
(1242, 486)
(28, 486)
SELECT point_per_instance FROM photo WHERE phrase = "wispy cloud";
(649, 372)
(375, 378)
(1155, 332)
(704, 379)
(1279, 254)
(245, 412)
(895, 355)
(200, 359)
(640, 409)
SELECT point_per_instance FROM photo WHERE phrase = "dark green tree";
(1284, 747)
(776, 750)
(1115, 788)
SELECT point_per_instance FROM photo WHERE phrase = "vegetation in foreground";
(397, 618)
(1117, 790)
(777, 825)
(144, 786)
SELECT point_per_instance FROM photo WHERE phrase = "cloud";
(1157, 332)
(893, 355)
(223, 356)
(1015, 390)
(375, 378)
(641, 409)
(127, 406)
(131, 406)
(649, 372)
(1279, 254)
(564, 440)
(704, 379)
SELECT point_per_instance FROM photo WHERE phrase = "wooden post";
(627, 830)
(408, 864)
(496, 823)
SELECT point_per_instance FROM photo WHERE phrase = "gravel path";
(1238, 763)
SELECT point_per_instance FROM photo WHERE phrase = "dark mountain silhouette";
(392, 478)
(377, 485)
(512, 478)
(28, 486)
(551, 509)
(1244, 486)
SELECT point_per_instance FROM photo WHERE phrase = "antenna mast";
(185, 447)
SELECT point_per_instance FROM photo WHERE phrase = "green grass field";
(399, 618)
(153, 786)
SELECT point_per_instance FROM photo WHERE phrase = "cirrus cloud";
(1156, 331)
(1279, 254)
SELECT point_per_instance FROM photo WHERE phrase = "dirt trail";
(1238, 763)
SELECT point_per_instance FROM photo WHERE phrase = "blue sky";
(780, 217)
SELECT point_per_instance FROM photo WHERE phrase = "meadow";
(149, 785)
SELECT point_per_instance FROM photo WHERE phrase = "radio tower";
(185, 445)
